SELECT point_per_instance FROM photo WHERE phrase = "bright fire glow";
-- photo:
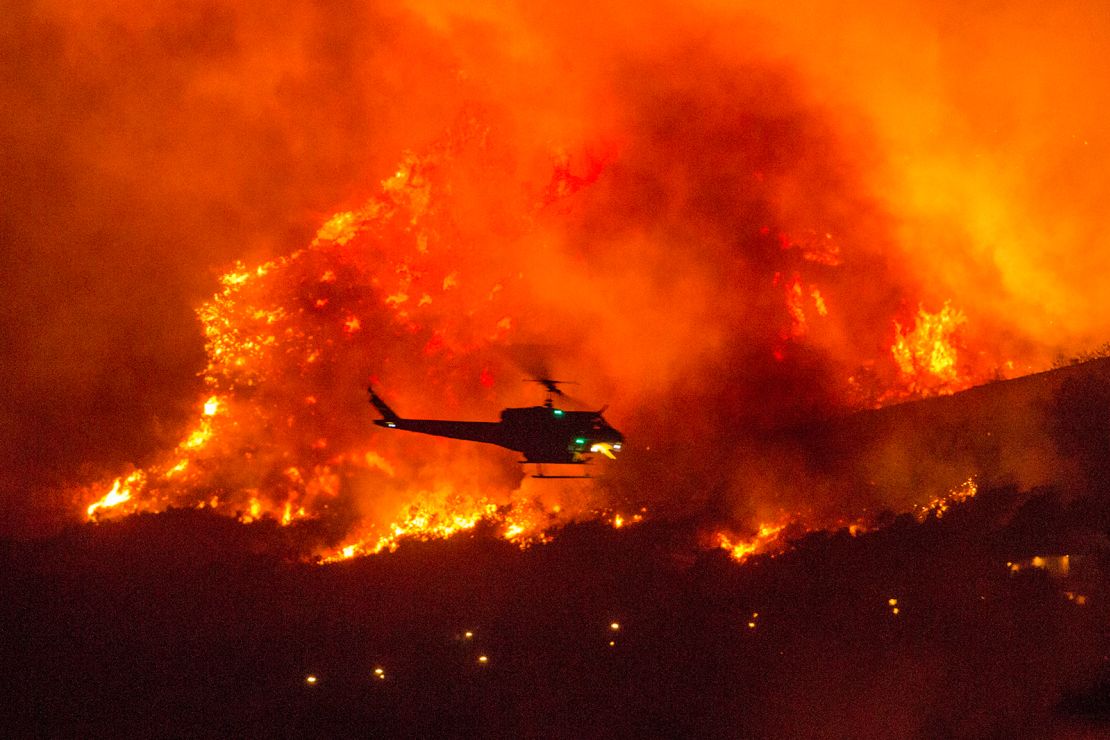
(277, 434)
(764, 540)
(940, 505)
(423, 523)
(926, 354)
(120, 493)
(390, 287)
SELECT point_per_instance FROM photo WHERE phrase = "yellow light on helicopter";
(605, 449)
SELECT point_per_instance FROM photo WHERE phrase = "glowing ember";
(513, 531)
(940, 505)
(253, 512)
(617, 520)
(1055, 565)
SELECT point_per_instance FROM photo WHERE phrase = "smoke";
(712, 216)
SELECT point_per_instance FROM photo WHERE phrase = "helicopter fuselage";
(542, 434)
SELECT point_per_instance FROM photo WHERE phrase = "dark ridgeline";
(188, 624)
(1049, 428)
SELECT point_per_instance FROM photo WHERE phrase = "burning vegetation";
(692, 231)
(415, 288)
(812, 261)
(283, 433)
(718, 223)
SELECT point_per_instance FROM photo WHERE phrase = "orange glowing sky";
(633, 191)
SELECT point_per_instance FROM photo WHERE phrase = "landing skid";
(543, 476)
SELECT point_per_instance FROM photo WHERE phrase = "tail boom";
(388, 414)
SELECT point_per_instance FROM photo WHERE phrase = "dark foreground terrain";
(187, 624)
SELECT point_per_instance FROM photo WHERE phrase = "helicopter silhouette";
(543, 434)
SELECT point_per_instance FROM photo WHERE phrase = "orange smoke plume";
(718, 219)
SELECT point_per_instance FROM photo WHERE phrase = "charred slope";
(186, 624)
(1048, 428)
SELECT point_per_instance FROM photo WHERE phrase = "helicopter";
(543, 434)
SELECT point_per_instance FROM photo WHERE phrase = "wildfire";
(279, 431)
(120, 493)
(524, 525)
(287, 340)
(765, 539)
(799, 299)
(419, 524)
(940, 505)
(926, 354)
(617, 520)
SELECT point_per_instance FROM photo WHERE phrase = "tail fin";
(387, 413)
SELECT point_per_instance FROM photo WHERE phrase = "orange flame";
(940, 505)
(120, 493)
(926, 354)
(274, 435)
(765, 539)
(287, 339)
